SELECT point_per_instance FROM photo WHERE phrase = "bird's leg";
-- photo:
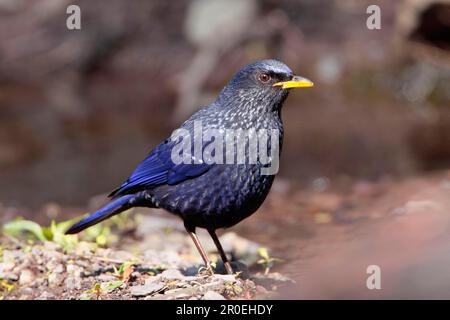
(200, 249)
(226, 263)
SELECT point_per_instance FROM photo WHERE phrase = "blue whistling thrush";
(211, 192)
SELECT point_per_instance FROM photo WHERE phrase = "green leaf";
(112, 285)
(97, 288)
(263, 253)
(116, 271)
(6, 286)
(101, 240)
(15, 228)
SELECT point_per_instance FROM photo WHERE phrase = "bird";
(213, 194)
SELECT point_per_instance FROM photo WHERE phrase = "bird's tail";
(114, 207)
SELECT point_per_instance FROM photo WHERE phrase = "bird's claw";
(206, 270)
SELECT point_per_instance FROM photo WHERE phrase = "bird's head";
(264, 82)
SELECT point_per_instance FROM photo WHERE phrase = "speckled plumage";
(227, 193)
(204, 195)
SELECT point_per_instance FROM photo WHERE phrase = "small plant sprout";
(125, 270)
(100, 234)
(33, 231)
(99, 288)
(5, 286)
(266, 260)
(95, 291)
(111, 286)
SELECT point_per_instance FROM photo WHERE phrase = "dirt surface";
(154, 259)
(329, 239)
(322, 239)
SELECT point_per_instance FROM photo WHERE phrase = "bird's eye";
(263, 77)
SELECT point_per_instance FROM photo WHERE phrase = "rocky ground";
(152, 258)
(323, 238)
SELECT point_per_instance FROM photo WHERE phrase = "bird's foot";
(228, 268)
(207, 269)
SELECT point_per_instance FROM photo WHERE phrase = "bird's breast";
(222, 197)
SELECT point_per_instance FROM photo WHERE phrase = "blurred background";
(364, 148)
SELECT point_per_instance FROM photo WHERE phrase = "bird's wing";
(159, 169)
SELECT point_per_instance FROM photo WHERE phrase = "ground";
(151, 258)
(305, 243)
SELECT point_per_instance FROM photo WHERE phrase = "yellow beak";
(296, 82)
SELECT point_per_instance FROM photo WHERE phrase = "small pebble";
(46, 296)
(72, 282)
(26, 292)
(212, 295)
(106, 278)
(172, 274)
(9, 276)
(55, 279)
(26, 277)
(146, 289)
(225, 277)
(7, 266)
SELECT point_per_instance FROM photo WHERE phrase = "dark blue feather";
(114, 207)
(158, 169)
